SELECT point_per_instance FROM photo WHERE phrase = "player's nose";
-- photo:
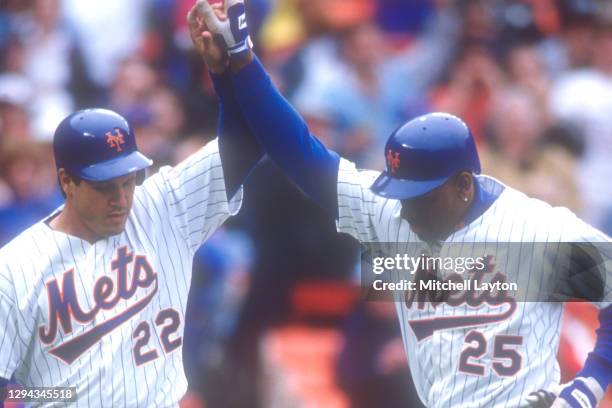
(120, 197)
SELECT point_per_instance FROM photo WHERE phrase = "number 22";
(169, 320)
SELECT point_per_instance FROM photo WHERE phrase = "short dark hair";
(76, 179)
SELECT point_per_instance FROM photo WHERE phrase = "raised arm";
(285, 136)
(277, 126)
(238, 148)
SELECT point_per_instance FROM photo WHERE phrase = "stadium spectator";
(584, 97)
(519, 153)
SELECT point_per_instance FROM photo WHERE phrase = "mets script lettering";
(64, 304)
(424, 328)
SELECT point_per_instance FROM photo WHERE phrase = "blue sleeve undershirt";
(238, 149)
(599, 362)
(286, 138)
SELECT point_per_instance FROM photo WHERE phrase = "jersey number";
(506, 359)
(169, 320)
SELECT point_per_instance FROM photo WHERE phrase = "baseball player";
(462, 353)
(93, 296)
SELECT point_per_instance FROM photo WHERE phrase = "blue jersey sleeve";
(238, 148)
(599, 362)
(286, 138)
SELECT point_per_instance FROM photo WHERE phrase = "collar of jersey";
(483, 199)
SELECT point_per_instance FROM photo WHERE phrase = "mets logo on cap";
(393, 161)
(115, 140)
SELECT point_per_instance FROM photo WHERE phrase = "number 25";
(506, 361)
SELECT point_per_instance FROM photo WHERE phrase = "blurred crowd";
(532, 78)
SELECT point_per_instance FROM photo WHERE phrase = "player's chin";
(424, 234)
(430, 234)
(114, 225)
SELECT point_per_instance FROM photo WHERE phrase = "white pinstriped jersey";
(108, 318)
(479, 365)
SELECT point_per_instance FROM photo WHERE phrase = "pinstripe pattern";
(434, 362)
(174, 211)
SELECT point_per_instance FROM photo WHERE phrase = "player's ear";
(464, 183)
(66, 182)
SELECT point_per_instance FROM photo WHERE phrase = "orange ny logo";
(115, 140)
(393, 161)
